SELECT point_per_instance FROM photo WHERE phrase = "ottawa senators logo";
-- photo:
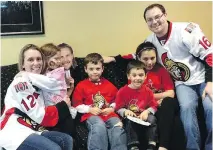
(99, 101)
(133, 106)
(30, 124)
(179, 71)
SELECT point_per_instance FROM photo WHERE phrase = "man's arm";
(200, 47)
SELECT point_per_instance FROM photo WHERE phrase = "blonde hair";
(64, 45)
(21, 56)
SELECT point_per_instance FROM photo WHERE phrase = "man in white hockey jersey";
(186, 53)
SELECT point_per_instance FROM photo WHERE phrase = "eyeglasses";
(156, 18)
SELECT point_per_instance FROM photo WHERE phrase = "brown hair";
(93, 58)
(135, 64)
(49, 50)
(21, 56)
(161, 7)
(145, 46)
(64, 45)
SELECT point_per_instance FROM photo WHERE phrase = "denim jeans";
(139, 135)
(48, 140)
(188, 99)
(101, 132)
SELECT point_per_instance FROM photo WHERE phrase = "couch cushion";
(114, 72)
(7, 75)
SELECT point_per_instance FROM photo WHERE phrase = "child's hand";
(129, 113)
(107, 111)
(95, 110)
(144, 115)
(67, 100)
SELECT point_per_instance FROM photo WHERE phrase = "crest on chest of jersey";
(99, 101)
(133, 106)
(178, 70)
(30, 123)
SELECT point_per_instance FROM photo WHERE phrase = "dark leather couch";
(114, 72)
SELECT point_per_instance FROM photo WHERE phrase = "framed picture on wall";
(21, 18)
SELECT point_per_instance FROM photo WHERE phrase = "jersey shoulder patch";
(21, 86)
(190, 27)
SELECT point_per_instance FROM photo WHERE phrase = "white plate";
(139, 121)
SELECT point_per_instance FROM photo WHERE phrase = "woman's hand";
(68, 101)
(108, 59)
(208, 90)
(70, 81)
(159, 101)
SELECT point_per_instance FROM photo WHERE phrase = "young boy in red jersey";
(137, 100)
(94, 97)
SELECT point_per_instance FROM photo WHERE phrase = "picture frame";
(21, 18)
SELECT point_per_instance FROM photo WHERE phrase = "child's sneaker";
(134, 148)
(151, 147)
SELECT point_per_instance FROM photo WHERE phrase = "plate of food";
(139, 121)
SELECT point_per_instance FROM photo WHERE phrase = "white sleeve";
(112, 105)
(121, 112)
(45, 83)
(83, 108)
(73, 112)
(195, 40)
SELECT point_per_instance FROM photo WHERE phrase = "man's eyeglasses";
(156, 18)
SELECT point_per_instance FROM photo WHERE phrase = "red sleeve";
(55, 114)
(208, 68)
(119, 100)
(166, 79)
(208, 60)
(152, 100)
(128, 56)
(50, 117)
(77, 98)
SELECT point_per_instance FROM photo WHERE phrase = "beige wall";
(109, 28)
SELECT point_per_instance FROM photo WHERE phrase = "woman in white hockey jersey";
(25, 115)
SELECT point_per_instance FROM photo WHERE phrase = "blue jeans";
(48, 140)
(101, 132)
(138, 134)
(188, 99)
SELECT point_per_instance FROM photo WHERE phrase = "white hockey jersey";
(180, 55)
(24, 96)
